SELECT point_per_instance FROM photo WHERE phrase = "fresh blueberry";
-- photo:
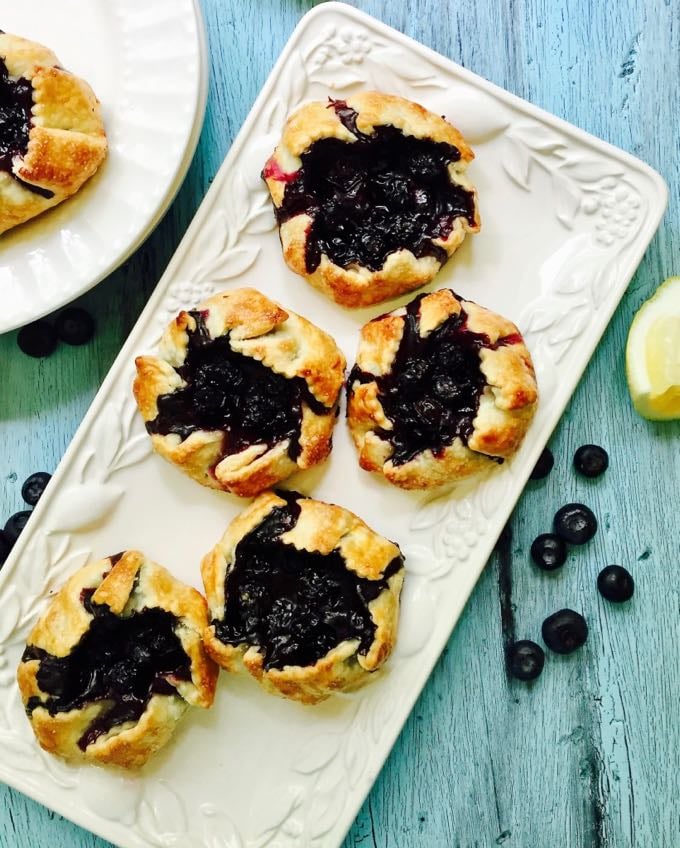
(5, 547)
(75, 326)
(564, 631)
(15, 524)
(37, 339)
(591, 460)
(548, 551)
(615, 584)
(544, 465)
(34, 486)
(575, 523)
(525, 659)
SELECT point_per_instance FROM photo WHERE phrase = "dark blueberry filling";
(16, 106)
(295, 605)
(369, 198)
(432, 393)
(234, 393)
(120, 660)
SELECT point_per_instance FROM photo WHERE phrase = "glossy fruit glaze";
(120, 660)
(431, 394)
(227, 391)
(295, 605)
(383, 192)
(16, 107)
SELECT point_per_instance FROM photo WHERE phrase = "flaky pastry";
(442, 389)
(303, 595)
(371, 195)
(52, 136)
(242, 392)
(114, 662)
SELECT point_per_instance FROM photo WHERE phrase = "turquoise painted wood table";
(589, 754)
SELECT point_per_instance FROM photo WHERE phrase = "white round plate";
(147, 64)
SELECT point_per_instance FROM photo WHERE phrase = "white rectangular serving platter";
(566, 219)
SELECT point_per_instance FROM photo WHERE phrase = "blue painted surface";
(588, 755)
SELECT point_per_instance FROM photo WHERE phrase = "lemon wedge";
(653, 354)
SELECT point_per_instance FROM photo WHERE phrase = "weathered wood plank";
(586, 756)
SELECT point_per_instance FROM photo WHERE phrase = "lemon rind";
(640, 389)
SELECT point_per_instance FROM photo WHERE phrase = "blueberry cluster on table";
(73, 326)
(31, 491)
(573, 524)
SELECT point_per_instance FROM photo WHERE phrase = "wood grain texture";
(588, 754)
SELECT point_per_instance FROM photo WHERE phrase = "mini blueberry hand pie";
(112, 665)
(51, 133)
(441, 390)
(303, 595)
(371, 195)
(242, 393)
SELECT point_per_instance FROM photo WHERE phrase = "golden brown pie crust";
(131, 583)
(402, 271)
(66, 142)
(506, 407)
(324, 528)
(283, 341)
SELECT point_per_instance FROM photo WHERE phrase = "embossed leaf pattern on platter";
(528, 147)
(347, 58)
(287, 827)
(162, 817)
(219, 830)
